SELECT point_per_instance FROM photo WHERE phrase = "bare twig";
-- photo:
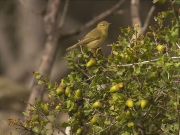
(105, 128)
(82, 71)
(177, 45)
(90, 78)
(143, 62)
(152, 119)
(53, 123)
(25, 129)
(93, 21)
(64, 14)
(142, 128)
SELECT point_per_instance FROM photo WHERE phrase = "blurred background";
(23, 37)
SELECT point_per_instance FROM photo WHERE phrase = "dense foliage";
(134, 90)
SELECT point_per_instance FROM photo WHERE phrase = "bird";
(94, 38)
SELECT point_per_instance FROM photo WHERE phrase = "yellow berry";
(60, 91)
(78, 94)
(161, 48)
(45, 109)
(129, 103)
(144, 103)
(97, 104)
(94, 120)
(91, 62)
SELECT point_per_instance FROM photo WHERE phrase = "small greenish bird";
(94, 38)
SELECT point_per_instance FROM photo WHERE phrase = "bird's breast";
(96, 43)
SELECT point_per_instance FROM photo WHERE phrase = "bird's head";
(104, 25)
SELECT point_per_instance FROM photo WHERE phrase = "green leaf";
(174, 34)
(44, 123)
(65, 124)
(35, 129)
(69, 104)
(25, 113)
(40, 82)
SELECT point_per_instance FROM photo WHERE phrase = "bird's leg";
(81, 49)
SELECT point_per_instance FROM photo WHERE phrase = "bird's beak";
(109, 23)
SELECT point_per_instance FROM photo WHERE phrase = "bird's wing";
(91, 36)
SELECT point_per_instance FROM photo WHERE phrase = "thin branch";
(142, 128)
(53, 123)
(177, 45)
(105, 128)
(94, 20)
(152, 119)
(138, 81)
(90, 78)
(64, 14)
(143, 62)
(25, 129)
(82, 71)
(46, 117)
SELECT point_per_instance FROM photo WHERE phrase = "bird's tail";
(72, 47)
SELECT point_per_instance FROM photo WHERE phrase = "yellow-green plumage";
(94, 38)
